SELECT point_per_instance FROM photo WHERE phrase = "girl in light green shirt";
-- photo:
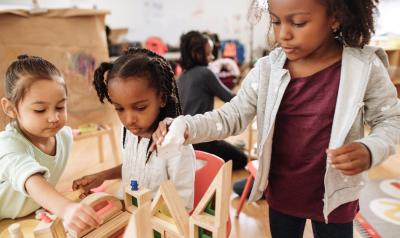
(35, 145)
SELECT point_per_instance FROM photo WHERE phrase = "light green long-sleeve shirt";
(19, 159)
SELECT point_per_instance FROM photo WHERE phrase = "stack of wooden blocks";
(163, 217)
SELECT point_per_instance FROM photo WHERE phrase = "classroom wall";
(170, 18)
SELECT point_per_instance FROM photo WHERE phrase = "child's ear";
(335, 24)
(163, 101)
(8, 108)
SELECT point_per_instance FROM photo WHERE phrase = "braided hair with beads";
(141, 62)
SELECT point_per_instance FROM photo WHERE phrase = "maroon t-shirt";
(302, 132)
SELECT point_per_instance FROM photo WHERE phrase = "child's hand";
(87, 182)
(159, 134)
(350, 159)
(179, 128)
(79, 217)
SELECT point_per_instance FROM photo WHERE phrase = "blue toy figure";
(134, 185)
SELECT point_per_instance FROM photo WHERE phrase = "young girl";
(35, 145)
(198, 86)
(141, 86)
(311, 96)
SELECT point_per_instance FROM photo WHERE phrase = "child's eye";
(140, 108)
(275, 22)
(59, 108)
(299, 24)
(118, 109)
(39, 111)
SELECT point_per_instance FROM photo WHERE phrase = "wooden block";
(113, 228)
(141, 197)
(54, 229)
(14, 231)
(105, 205)
(164, 227)
(177, 221)
(203, 226)
(139, 223)
(74, 195)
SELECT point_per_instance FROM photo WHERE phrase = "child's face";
(136, 103)
(42, 112)
(208, 51)
(302, 28)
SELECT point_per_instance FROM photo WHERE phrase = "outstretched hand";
(78, 217)
(86, 183)
(350, 159)
(159, 133)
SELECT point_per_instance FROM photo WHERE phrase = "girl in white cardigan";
(141, 86)
(312, 96)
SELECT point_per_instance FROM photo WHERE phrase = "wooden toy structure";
(165, 217)
(168, 215)
(135, 197)
(209, 219)
(169, 218)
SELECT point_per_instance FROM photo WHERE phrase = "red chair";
(204, 176)
(252, 167)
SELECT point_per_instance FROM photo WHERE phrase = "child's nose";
(54, 117)
(130, 119)
(284, 33)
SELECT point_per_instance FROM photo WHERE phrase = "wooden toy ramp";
(209, 219)
(168, 215)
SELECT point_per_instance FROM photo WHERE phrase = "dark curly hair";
(142, 63)
(356, 19)
(193, 50)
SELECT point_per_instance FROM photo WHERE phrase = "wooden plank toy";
(49, 227)
(113, 228)
(210, 217)
(139, 223)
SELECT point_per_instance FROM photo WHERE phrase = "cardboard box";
(72, 39)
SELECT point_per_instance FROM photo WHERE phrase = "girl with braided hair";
(140, 85)
(312, 96)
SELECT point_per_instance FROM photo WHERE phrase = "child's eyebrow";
(62, 100)
(132, 104)
(298, 13)
(141, 101)
(291, 14)
(43, 102)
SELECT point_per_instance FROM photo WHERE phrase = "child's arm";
(76, 216)
(94, 180)
(231, 119)
(382, 114)
(217, 88)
